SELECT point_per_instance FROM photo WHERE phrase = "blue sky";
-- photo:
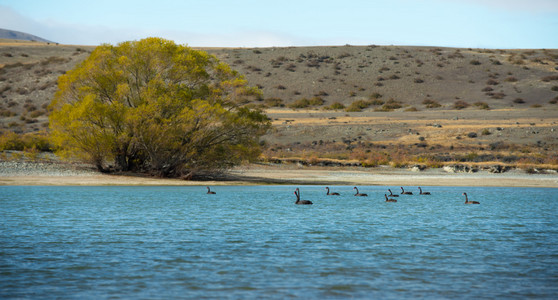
(260, 23)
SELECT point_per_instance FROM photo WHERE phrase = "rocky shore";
(24, 168)
(18, 172)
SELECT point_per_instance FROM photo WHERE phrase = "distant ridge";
(17, 35)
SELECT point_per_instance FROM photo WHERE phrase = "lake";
(254, 242)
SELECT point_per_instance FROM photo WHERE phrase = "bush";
(518, 101)
(475, 62)
(305, 103)
(485, 132)
(274, 102)
(497, 95)
(431, 103)
(472, 135)
(13, 141)
(482, 105)
(358, 105)
(390, 105)
(376, 96)
(335, 106)
(550, 78)
(460, 104)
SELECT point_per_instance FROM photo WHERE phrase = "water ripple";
(253, 242)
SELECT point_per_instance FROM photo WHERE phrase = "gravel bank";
(21, 168)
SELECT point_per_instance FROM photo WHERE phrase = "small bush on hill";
(481, 105)
(274, 102)
(13, 141)
(358, 105)
(335, 106)
(429, 103)
(305, 103)
(460, 104)
(390, 105)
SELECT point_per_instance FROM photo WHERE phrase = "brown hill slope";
(421, 100)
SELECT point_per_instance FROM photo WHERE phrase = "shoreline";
(49, 174)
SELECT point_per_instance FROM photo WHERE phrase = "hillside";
(17, 35)
(445, 103)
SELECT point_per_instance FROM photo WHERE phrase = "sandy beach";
(12, 173)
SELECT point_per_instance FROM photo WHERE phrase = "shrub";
(472, 135)
(7, 113)
(518, 101)
(358, 105)
(550, 78)
(305, 103)
(335, 106)
(376, 96)
(511, 79)
(554, 88)
(12, 141)
(291, 68)
(274, 102)
(497, 95)
(418, 80)
(460, 104)
(482, 105)
(492, 82)
(376, 102)
(37, 113)
(475, 62)
(485, 131)
(390, 105)
(431, 103)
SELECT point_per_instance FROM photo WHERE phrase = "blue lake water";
(254, 242)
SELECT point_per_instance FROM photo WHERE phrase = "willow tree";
(154, 106)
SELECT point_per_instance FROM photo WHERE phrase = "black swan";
(298, 201)
(209, 191)
(389, 200)
(405, 193)
(469, 202)
(331, 194)
(359, 194)
(425, 193)
(391, 194)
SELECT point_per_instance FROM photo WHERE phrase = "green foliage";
(19, 142)
(156, 107)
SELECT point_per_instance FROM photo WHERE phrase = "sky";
(500, 24)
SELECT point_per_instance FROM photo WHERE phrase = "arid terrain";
(354, 106)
